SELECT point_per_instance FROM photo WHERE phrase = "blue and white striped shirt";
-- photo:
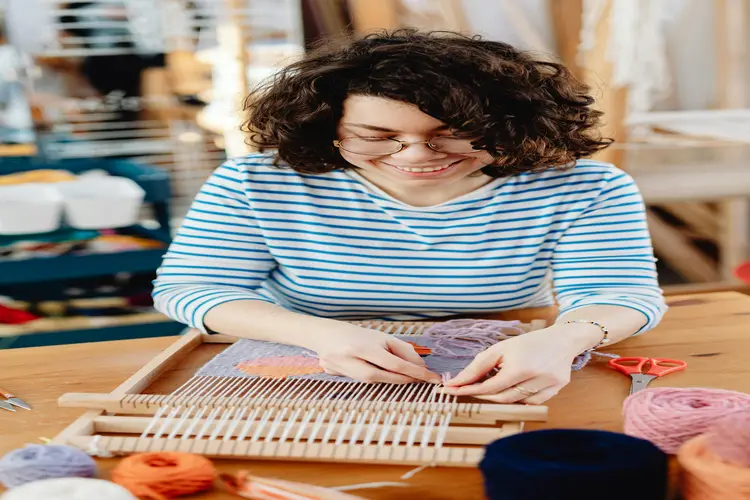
(335, 245)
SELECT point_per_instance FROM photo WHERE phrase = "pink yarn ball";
(669, 417)
(729, 437)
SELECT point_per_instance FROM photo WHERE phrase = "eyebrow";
(384, 129)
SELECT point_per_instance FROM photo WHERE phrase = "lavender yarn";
(35, 462)
(465, 338)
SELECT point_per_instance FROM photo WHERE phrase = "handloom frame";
(116, 419)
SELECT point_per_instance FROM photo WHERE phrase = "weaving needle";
(13, 400)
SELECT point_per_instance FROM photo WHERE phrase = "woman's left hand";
(532, 368)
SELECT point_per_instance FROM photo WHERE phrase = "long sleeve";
(605, 256)
(218, 254)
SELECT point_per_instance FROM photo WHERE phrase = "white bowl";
(102, 202)
(30, 208)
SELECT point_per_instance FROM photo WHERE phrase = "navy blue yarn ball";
(574, 464)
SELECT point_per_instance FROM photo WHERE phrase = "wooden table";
(710, 331)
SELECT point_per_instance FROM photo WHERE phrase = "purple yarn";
(465, 338)
(35, 462)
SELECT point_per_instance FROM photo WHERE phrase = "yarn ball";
(574, 463)
(44, 461)
(708, 476)
(163, 475)
(729, 438)
(669, 417)
(69, 488)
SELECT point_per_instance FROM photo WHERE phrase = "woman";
(418, 176)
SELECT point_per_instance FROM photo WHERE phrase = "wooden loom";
(292, 419)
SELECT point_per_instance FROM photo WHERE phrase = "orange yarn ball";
(164, 475)
(707, 476)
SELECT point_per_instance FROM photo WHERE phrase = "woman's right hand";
(370, 356)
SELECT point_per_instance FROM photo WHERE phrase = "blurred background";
(114, 112)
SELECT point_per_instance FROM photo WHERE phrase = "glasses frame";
(403, 144)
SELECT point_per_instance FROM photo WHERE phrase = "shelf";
(23, 150)
(74, 330)
(42, 278)
(15, 272)
(73, 266)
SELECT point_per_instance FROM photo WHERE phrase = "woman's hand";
(532, 368)
(370, 356)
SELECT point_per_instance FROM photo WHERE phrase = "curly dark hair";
(530, 114)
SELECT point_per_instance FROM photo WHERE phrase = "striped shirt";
(335, 245)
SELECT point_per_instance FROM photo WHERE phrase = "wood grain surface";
(709, 331)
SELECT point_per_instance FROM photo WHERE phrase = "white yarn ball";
(69, 488)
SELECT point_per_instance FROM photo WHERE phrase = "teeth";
(430, 169)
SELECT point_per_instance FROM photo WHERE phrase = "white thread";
(289, 425)
(94, 450)
(412, 472)
(361, 486)
(235, 423)
(275, 424)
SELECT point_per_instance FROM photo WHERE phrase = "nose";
(417, 152)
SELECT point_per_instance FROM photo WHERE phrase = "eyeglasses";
(381, 146)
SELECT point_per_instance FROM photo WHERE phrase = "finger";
(480, 366)
(365, 372)
(505, 379)
(388, 361)
(405, 350)
(331, 371)
(542, 396)
(517, 393)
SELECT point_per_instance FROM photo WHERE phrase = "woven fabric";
(255, 358)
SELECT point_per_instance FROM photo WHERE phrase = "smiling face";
(417, 174)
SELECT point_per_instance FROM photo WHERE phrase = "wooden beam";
(734, 236)
(730, 24)
(673, 247)
(373, 15)
(597, 72)
(698, 216)
(732, 61)
(566, 27)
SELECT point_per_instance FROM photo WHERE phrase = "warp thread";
(245, 485)
(669, 417)
(164, 475)
(716, 465)
(36, 462)
(583, 464)
(465, 338)
(69, 488)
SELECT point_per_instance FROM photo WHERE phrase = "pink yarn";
(669, 417)
(729, 437)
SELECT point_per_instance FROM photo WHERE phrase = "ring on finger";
(523, 391)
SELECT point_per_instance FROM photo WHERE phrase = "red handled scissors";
(657, 367)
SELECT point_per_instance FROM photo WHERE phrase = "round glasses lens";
(453, 145)
(370, 146)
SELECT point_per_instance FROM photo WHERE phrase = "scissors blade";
(19, 403)
(6, 406)
(640, 381)
(12, 399)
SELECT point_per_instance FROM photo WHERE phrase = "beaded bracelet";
(601, 327)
